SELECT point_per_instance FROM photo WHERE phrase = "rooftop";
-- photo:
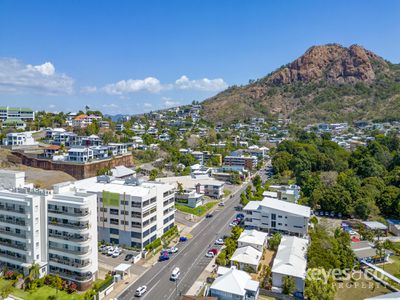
(234, 282)
(280, 205)
(253, 237)
(291, 257)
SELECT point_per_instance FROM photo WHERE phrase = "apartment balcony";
(76, 225)
(18, 235)
(74, 213)
(12, 245)
(11, 209)
(71, 263)
(81, 251)
(12, 221)
(9, 256)
(73, 238)
(73, 276)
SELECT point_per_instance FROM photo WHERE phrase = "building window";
(273, 224)
(114, 231)
(273, 216)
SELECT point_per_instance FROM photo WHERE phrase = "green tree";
(319, 287)
(274, 241)
(153, 175)
(288, 285)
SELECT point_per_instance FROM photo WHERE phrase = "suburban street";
(190, 259)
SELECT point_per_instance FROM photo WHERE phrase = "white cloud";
(52, 106)
(110, 105)
(88, 89)
(168, 102)
(204, 84)
(17, 78)
(147, 105)
(154, 85)
(149, 84)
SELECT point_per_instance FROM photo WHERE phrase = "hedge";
(153, 245)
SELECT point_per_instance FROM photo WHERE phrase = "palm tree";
(34, 272)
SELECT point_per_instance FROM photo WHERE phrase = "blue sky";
(137, 56)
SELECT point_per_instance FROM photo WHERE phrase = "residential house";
(247, 258)
(290, 260)
(253, 238)
(233, 284)
(19, 139)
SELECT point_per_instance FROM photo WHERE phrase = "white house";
(253, 238)
(19, 139)
(290, 260)
(233, 284)
(273, 215)
(81, 154)
(247, 257)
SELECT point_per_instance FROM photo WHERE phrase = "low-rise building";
(13, 123)
(25, 114)
(248, 162)
(80, 154)
(290, 260)
(253, 238)
(19, 139)
(247, 258)
(394, 226)
(233, 284)
(272, 215)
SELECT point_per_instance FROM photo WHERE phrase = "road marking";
(150, 289)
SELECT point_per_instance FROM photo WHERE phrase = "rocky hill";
(327, 83)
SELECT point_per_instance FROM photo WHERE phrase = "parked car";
(183, 239)
(108, 248)
(332, 214)
(140, 291)
(173, 249)
(221, 204)
(163, 257)
(110, 251)
(175, 274)
(102, 248)
(219, 242)
(232, 224)
(209, 216)
(116, 253)
(128, 257)
(339, 215)
(240, 216)
(212, 253)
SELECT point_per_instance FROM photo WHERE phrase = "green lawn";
(393, 268)
(359, 290)
(40, 294)
(198, 211)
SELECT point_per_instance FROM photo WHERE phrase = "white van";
(175, 274)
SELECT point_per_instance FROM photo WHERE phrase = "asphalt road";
(190, 259)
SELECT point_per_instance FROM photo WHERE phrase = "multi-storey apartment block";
(57, 231)
(248, 162)
(130, 212)
(72, 230)
(276, 215)
(25, 114)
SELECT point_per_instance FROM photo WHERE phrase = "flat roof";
(280, 205)
(375, 225)
(189, 182)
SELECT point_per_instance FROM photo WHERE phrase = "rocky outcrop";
(333, 63)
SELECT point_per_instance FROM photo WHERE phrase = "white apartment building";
(131, 212)
(72, 234)
(80, 154)
(56, 231)
(19, 139)
(22, 231)
(273, 215)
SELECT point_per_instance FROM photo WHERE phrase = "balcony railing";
(75, 238)
(20, 235)
(12, 209)
(12, 245)
(78, 213)
(73, 251)
(71, 263)
(12, 221)
(80, 226)
(21, 259)
(72, 276)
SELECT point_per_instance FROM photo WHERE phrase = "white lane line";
(150, 289)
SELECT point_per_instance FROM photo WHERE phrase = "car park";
(140, 291)
(128, 257)
(219, 242)
(183, 239)
(175, 274)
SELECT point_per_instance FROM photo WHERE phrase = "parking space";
(108, 263)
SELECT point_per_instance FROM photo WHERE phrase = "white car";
(116, 253)
(175, 274)
(102, 248)
(233, 224)
(210, 254)
(141, 290)
(110, 251)
(221, 204)
(106, 249)
(173, 249)
(219, 242)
